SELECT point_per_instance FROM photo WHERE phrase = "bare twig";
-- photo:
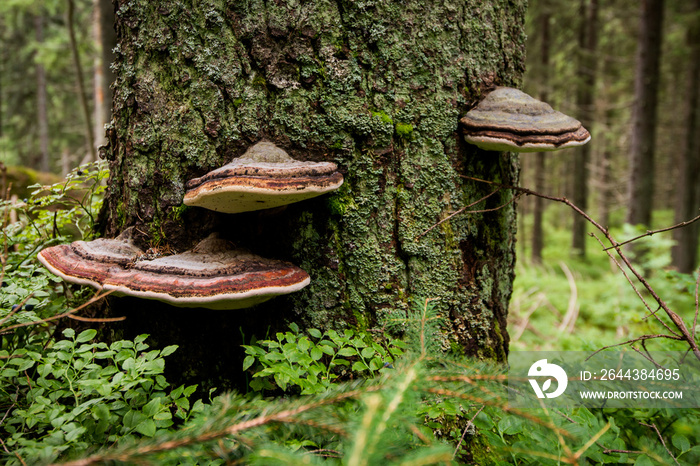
(675, 318)
(653, 426)
(636, 290)
(97, 319)
(466, 428)
(97, 297)
(607, 452)
(641, 338)
(653, 232)
(697, 306)
(457, 213)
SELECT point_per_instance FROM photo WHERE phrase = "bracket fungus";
(262, 178)
(510, 120)
(211, 275)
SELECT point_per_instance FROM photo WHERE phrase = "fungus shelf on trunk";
(510, 120)
(262, 178)
(211, 275)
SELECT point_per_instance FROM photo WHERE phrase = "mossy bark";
(375, 86)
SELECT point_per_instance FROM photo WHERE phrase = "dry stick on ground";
(680, 325)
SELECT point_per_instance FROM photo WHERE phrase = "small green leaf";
(681, 442)
(168, 350)
(86, 335)
(248, 361)
(147, 428)
(368, 352)
(347, 351)
(316, 353)
(359, 366)
(315, 333)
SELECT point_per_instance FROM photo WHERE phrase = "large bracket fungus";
(211, 275)
(262, 178)
(510, 120)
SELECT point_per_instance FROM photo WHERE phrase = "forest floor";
(569, 303)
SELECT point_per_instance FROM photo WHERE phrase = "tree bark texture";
(378, 88)
(684, 253)
(643, 139)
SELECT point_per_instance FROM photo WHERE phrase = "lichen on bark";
(377, 87)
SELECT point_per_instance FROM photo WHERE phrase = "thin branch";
(678, 322)
(95, 298)
(653, 426)
(653, 232)
(636, 290)
(97, 319)
(457, 213)
(697, 306)
(466, 428)
(641, 338)
(634, 452)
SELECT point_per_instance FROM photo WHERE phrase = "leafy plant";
(77, 394)
(315, 362)
(53, 214)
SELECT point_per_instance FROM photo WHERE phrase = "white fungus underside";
(505, 145)
(235, 199)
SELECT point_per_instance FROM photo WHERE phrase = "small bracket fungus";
(210, 275)
(510, 120)
(262, 178)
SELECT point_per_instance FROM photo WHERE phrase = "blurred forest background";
(630, 71)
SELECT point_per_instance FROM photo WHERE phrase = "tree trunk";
(641, 181)
(685, 251)
(588, 41)
(80, 84)
(540, 157)
(41, 101)
(378, 88)
(105, 37)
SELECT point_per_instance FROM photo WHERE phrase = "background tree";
(685, 252)
(540, 157)
(644, 117)
(588, 41)
(377, 87)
